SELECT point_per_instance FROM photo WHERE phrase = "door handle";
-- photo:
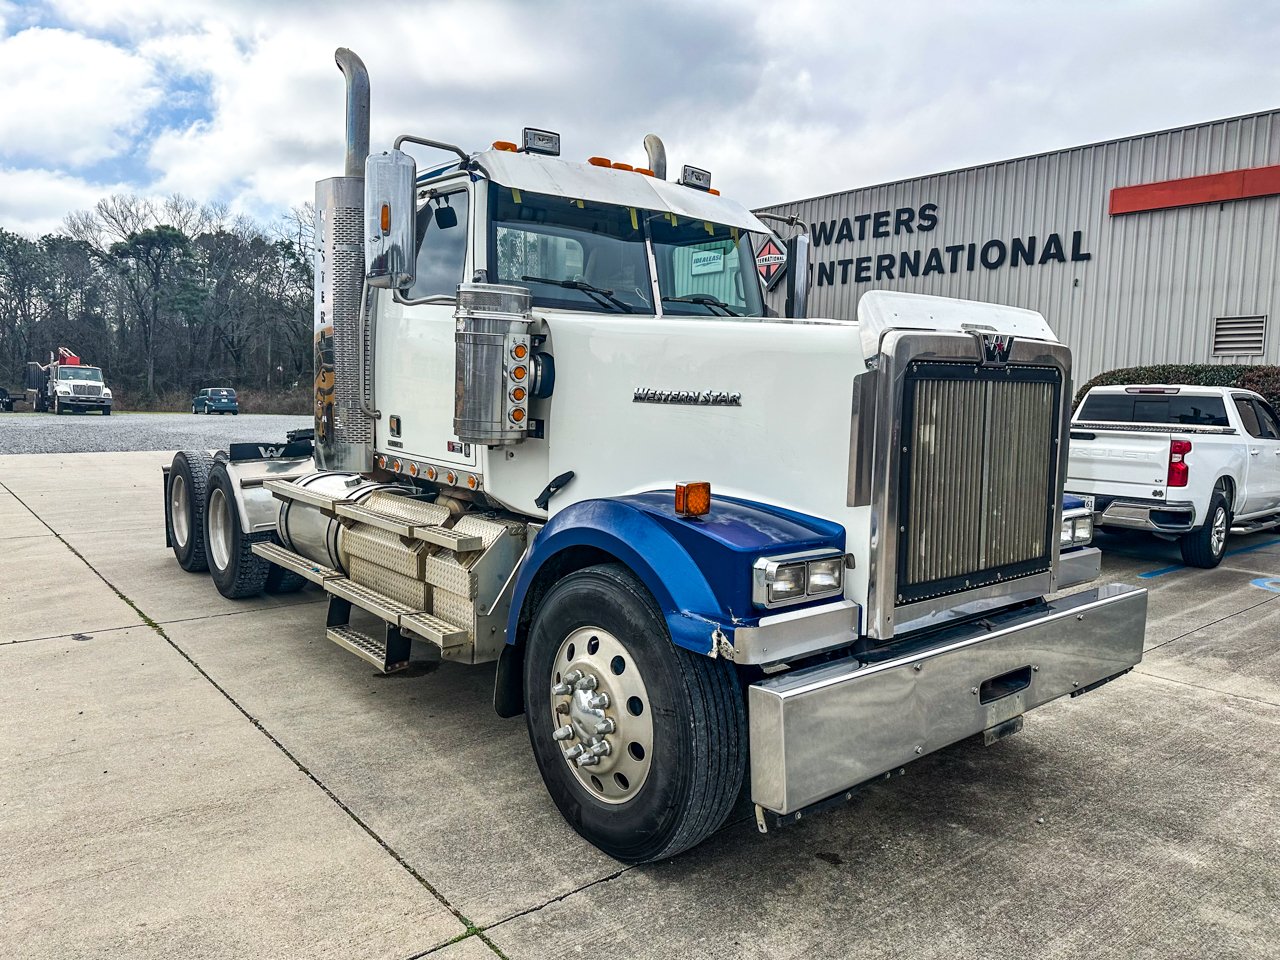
(1254, 452)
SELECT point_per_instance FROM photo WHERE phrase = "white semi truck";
(557, 429)
(66, 385)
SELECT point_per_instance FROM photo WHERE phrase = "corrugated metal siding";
(1156, 281)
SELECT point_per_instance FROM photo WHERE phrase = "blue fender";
(698, 570)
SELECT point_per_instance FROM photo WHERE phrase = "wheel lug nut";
(562, 708)
(599, 702)
(572, 677)
(575, 751)
(563, 733)
(601, 748)
(587, 683)
(605, 726)
(562, 689)
(587, 761)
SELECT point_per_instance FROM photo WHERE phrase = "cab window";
(1244, 407)
(1267, 420)
(704, 269)
(442, 246)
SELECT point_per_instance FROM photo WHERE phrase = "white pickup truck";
(1191, 463)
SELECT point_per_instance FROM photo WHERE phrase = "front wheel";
(106, 411)
(641, 743)
(57, 407)
(1204, 547)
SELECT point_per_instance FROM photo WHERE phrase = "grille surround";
(976, 510)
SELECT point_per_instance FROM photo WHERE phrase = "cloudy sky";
(239, 101)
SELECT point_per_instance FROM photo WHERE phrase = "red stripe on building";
(1213, 188)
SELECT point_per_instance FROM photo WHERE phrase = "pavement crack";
(1183, 636)
(302, 768)
(1208, 689)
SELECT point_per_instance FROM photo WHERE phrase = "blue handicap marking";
(1267, 583)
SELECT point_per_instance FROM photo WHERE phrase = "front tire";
(57, 407)
(237, 571)
(1204, 547)
(664, 750)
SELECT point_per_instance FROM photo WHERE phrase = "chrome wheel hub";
(179, 506)
(600, 715)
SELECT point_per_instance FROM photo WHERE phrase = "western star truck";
(557, 430)
(1184, 463)
(65, 384)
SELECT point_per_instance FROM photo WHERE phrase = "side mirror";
(446, 218)
(390, 253)
(798, 276)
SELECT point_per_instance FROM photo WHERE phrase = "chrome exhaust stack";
(657, 154)
(344, 431)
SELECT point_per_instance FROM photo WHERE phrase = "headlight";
(106, 392)
(1076, 531)
(64, 391)
(796, 577)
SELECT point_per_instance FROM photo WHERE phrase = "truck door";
(414, 344)
(1264, 465)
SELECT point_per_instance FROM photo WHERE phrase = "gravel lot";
(94, 433)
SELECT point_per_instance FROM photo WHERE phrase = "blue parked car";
(215, 400)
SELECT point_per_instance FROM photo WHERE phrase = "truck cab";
(557, 430)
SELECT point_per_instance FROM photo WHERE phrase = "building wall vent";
(1239, 336)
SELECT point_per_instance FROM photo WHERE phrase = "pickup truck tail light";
(1178, 449)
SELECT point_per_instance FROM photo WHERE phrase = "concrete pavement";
(185, 774)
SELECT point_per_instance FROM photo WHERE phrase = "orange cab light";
(519, 371)
(520, 351)
(693, 499)
(713, 191)
(395, 466)
(382, 461)
(506, 145)
(645, 170)
(517, 394)
(431, 473)
(386, 219)
(517, 415)
(619, 165)
(451, 478)
(413, 469)
(600, 161)
(472, 482)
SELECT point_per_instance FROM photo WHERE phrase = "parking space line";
(1230, 553)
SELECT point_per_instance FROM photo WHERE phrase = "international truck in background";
(1184, 463)
(65, 384)
(557, 430)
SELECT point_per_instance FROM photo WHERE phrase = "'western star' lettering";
(714, 398)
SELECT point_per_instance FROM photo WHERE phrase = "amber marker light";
(431, 473)
(520, 351)
(472, 482)
(517, 415)
(413, 469)
(693, 499)
(451, 478)
(505, 145)
(600, 161)
(519, 371)
(386, 219)
(645, 170)
(395, 467)
(517, 394)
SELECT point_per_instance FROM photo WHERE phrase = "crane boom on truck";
(556, 428)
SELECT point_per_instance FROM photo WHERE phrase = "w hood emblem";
(996, 348)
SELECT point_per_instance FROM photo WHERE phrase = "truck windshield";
(571, 254)
(704, 269)
(80, 373)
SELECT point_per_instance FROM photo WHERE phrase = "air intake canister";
(494, 367)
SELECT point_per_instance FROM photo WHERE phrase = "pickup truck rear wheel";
(184, 513)
(1205, 546)
(641, 744)
(236, 570)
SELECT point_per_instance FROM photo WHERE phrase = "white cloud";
(34, 201)
(70, 99)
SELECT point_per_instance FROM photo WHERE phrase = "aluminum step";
(442, 634)
(1256, 526)
(376, 603)
(288, 490)
(365, 647)
(429, 533)
(287, 559)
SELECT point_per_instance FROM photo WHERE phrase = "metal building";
(1160, 248)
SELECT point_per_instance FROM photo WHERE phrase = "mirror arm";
(438, 144)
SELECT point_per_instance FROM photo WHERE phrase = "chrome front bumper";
(820, 731)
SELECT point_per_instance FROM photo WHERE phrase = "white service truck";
(66, 385)
(1181, 462)
(557, 429)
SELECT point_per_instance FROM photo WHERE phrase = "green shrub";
(1260, 379)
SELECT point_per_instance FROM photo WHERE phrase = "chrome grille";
(979, 476)
(86, 389)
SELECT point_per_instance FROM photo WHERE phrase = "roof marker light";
(645, 170)
(600, 161)
(540, 141)
(505, 145)
(619, 165)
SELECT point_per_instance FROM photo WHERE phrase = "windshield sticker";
(708, 261)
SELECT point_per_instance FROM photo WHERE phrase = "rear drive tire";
(674, 721)
(280, 580)
(184, 512)
(1205, 546)
(236, 570)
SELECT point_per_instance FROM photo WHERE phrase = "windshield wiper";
(703, 300)
(585, 287)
